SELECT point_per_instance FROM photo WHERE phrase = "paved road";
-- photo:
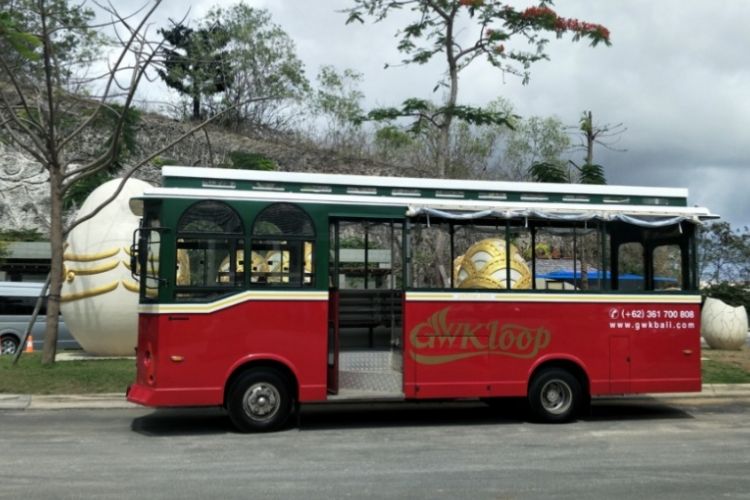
(636, 448)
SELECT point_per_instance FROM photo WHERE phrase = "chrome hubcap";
(261, 401)
(556, 397)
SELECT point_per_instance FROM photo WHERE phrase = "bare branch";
(123, 53)
(146, 160)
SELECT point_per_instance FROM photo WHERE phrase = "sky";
(677, 76)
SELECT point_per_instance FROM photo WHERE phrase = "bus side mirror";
(134, 256)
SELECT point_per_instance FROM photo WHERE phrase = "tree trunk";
(196, 107)
(49, 350)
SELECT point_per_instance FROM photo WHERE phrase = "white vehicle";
(17, 301)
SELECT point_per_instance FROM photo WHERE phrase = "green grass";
(29, 376)
(717, 372)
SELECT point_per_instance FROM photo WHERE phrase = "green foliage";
(391, 137)
(72, 42)
(78, 192)
(535, 149)
(338, 95)
(265, 70)
(25, 44)
(125, 145)
(549, 172)
(246, 160)
(724, 254)
(21, 235)
(729, 293)
(196, 63)
(426, 114)
(591, 174)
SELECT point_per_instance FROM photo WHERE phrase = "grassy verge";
(29, 376)
(720, 372)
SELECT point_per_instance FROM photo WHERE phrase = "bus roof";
(422, 193)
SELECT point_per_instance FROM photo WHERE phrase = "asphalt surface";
(650, 447)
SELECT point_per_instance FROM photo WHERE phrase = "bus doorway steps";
(369, 371)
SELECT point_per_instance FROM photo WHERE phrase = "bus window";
(667, 261)
(282, 247)
(430, 255)
(486, 256)
(209, 256)
(369, 255)
(631, 267)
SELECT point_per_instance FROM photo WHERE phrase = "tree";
(264, 63)
(535, 149)
(604, 135)
(337, 102)
(195, 62)
(724, 254)
(433, 30)
(52, 116)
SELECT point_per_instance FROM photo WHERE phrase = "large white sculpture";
(723, 326)
(99, 297)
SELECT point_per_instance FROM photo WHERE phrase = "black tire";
(9, 344)
(555, 396)
(260, 400)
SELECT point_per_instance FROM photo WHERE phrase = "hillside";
(24, 201)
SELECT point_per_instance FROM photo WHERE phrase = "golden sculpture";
(484, 264)
(267, 267)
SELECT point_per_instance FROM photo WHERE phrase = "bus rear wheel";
(555, 396)
(260, 401)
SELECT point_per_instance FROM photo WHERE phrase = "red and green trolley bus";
(260, 291)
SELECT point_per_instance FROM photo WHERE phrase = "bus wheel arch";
(558, 391)
(261, 396)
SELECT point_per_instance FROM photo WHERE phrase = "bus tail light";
(149, 365)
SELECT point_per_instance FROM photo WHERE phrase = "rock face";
(723, 326)
(24, 192)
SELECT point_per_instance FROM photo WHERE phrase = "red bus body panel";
(486, 349)
(452, 348)
(195, 354)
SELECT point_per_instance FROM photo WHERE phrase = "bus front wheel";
(555, 396)
(259, 401)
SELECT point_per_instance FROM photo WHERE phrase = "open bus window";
(282, 247)
(631, 268)
(366, 255)
(430, 255)
(490, 256)
(668, 272)
(209, 257)
(569, 257)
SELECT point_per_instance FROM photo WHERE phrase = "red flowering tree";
(508, 38)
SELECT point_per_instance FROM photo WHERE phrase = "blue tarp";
(567, 275)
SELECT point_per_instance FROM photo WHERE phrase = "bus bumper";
(162, 398)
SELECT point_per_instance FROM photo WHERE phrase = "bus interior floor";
(370, 373)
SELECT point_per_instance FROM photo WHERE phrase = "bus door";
(365, 330)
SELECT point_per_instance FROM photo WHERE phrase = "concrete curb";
(118, 401)
(64, 401)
